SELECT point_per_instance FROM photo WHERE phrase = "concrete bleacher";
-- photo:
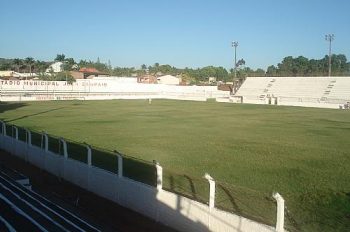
(325, 92)
(340, 89)
(23, 209)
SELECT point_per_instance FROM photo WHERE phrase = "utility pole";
(330, 38)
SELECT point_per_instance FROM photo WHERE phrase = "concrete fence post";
(3, 127)
(65, 153)
(46, 142)
(159, 170)
(29, 137)
(89, 155)
(211, 190)
(29, 144)
(16, 132)
(280, 212)
(120, 164)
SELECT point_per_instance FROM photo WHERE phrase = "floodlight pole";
(330, 38)
(235, 44)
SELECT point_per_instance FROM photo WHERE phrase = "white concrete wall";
(168, 208)
(118, 79)
(101, 89)
(168, 80)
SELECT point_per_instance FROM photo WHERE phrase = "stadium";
(272, 156)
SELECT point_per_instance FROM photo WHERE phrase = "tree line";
(289, 67)
(302, 66)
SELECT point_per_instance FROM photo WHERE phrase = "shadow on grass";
(248, 203)
(184, 185)
(193, 194)
(30, 115)
(231, 199)
(8, 106)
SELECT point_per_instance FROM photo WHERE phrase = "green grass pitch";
(303, 153)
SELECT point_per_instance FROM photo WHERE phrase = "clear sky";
(183, 33)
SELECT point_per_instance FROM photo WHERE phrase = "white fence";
(165, 207)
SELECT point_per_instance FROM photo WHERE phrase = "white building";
(8, 73)
(55, 67)
(212, 80)
(168, 80)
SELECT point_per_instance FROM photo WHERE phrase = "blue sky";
(183, 33)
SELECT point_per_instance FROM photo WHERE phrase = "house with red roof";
(88, 73)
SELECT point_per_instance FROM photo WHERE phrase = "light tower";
(330, 38)
(235, 45)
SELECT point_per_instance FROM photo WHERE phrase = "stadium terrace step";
(16, 176)
(25, 207)
(326, 92)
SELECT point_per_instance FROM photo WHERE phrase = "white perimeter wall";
(165, 207)
(101, 89)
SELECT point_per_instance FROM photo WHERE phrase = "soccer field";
(302, 153)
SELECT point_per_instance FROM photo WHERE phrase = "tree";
(315, 68)
(17, 62)
(41, 66)
(260, 72)
(68, 64)
(240, 63)
(109, 67)
(60, 57)
(286, 66)
(29, 62)
(62, 76)
(339, 64)
(221, 74)
(301, 66)
(187, 79)
(271, 71)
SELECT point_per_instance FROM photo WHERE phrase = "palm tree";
(29, 61)
(40, 66)
(17, 62)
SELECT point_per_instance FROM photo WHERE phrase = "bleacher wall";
(35, 90)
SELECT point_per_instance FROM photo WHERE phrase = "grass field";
(303, 153)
